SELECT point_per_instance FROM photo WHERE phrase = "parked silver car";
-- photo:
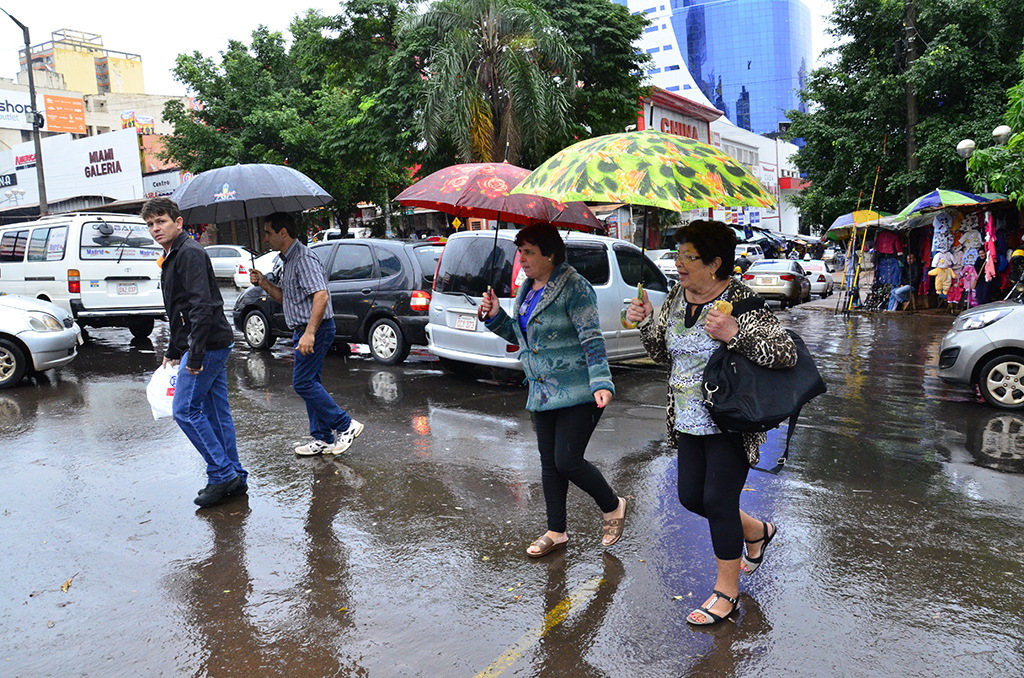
(35, 336)
(229, 260)
(472, 260)
(985, 348)
(782, 280)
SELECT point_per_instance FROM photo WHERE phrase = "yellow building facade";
(87, 66)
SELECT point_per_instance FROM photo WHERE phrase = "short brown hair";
(546, 238)
(155, 207)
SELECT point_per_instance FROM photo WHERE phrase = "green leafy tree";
(1001, 168)
(856, 128)
(331, 106)
(499, 78)
(609, 71)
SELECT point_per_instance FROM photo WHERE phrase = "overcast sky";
(158, 32)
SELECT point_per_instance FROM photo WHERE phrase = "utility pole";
(37, 118)
(910, 33)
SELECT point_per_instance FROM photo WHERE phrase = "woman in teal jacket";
(556, 324)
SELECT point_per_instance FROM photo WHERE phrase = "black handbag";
(744, 397)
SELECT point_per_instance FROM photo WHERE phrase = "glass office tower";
(747, 58)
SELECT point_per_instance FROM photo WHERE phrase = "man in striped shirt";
(308, 313)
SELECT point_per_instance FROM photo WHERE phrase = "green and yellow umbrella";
(647, 168)
(843, 225)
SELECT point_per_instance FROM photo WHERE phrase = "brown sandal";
(545, 545)
(613, 528)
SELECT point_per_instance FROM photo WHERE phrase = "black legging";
(562, 437)
(712, 471)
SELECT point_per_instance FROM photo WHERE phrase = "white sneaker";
(313, 447)
(344, 439)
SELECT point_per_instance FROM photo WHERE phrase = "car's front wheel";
(386, 342)
(256, 330)
(1001, 381)
(13, 363)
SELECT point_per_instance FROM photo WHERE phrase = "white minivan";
(471, 259)
(100, 267)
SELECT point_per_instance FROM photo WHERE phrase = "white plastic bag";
(160, 391)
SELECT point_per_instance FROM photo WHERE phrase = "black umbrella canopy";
(241, 192)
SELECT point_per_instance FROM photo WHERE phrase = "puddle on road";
(899, 518)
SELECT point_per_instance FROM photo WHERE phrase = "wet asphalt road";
(898, 552)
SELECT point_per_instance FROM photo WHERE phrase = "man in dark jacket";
(200, 343)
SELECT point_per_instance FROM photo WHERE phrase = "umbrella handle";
(627, 324)
(480, 310)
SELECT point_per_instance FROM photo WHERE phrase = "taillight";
(511, 348)
(821, 278)
(748, 276)
(787, 276)
(420, 300)
(241, 269)
(74, 281)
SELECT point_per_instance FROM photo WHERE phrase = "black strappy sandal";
(709, 616)
(753, 563)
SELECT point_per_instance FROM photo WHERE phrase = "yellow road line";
(552, 619)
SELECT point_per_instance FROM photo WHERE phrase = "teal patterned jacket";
(563, 352)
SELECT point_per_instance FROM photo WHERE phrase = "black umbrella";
(242, 192)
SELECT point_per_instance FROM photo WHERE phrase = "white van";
(100, 267)
(463, 273)
(751, 251)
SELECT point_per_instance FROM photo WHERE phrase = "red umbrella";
(481, 190)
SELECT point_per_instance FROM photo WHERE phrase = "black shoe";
(215, 493)
(242, 489)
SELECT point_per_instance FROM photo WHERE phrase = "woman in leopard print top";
(713, 465)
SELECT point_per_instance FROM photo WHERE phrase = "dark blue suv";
(380, 291)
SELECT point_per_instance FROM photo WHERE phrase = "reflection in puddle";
(384, 386)
(998, 443)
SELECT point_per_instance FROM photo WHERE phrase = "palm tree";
(499, 78)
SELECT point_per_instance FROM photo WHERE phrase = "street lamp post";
(37, 118)
(965, 149)
(14, 194)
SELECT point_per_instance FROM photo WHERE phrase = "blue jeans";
(899, 295)
(202, 412)
(325, 417)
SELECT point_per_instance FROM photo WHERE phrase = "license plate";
(466, 322)
(765, 281)
(79, 339)
(127, 288)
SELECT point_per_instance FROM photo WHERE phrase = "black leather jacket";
(195, 309)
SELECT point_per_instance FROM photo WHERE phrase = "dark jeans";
(562, 437)
(325, 416)
(712, 471)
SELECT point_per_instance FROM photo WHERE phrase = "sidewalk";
(867, 278)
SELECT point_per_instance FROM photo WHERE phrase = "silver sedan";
(781, 280)
(985, 347)
(35, 336)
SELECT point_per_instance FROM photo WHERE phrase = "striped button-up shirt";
(302, 277)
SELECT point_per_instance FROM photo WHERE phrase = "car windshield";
(467, 265)
(780, 264)
(427, 257)
(118, 241)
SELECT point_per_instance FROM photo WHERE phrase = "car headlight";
(976, 322)
(44, 322)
